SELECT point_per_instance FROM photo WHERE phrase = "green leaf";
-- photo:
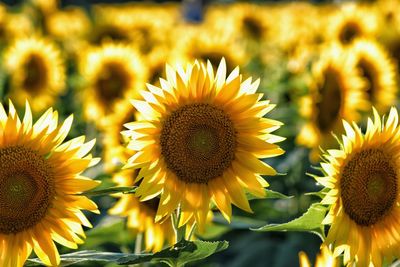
(108, 226)
(274, 194)
(80, 257)
(180, 254)
(270, 194)
(310, 221)
(111, 190)
(320, 194)
(238, 222)
(213, 231)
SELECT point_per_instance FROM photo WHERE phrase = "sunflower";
(37, 72)
(114, 143)
(40, 182)
(221, 18)
(71, 27)
(46, 6)
(253, 22)
(200, 44)
(379, 70)
(336, 93)
(141, 220)
(361, 179)
(113, 73)
(68, 23)
(324, 259)
(200, 140)
(141, 215)
(145, 23)
(139, 25)
(393, 46)
(350, 22)
(109, 25)
(3, 21)
(156, 62)
(299, 37)
(389, 19)
(15, 25)
(389, 28)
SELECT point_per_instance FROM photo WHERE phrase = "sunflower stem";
(138, 243)
(174, 225)
(179, 231)
(192, 230)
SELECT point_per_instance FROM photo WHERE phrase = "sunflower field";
(199, 133)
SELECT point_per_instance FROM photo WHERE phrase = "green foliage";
(111, 190)
(310, 221)
(276, 195)
(270, 194)
(239, 222)
(81, 257)
(114, 227)
(178, 255)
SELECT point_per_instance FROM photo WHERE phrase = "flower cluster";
(185, 134)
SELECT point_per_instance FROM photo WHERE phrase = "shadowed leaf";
(310, 221)
(180, 254)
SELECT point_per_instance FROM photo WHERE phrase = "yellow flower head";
(336, 93)
(114, 144)
(324, 259)
(149, 26)
(144, 26)
(15, 25)
(200, 140)
(113, 73)
(379, 71)
(350, 22)
(362, 185)
(141, 215)
(109, 25)
(141, 220)
(389, 19)
(200, 44)
(156, 62)
(46, 6)
(67, 24)
(253, 21)
(40, 179)
(37, 72)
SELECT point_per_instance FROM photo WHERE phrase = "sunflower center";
(368, 186)
(202, 141)
(376, 185)
(18, 190)
(369, 74)
(112, 82)
(328, 105)
(26, 189)
(110, 33)
(215, 59)
(35, 74)
(156, 73)
(145, 40)
(389, 17)
(198, 142)
(394, 49)
(252, 28)
(349, 32)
